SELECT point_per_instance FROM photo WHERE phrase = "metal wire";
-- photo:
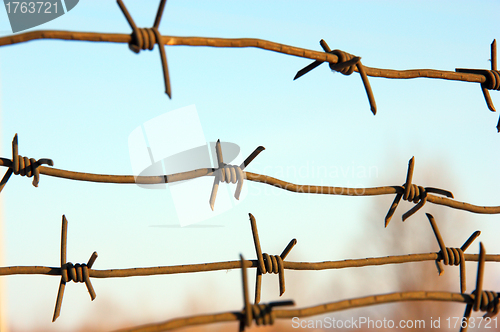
(407, 191)
(146, 38)
(263, 264)
(266, 314)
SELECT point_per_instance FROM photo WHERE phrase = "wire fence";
(345, 63)
(266, 314)
(276, 264)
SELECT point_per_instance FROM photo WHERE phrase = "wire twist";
(268, 263)
(346, 65)
(492, 77)
(146, 38)
(230, 173)
(70, 272)
(492, 80)
(76, 273)
(413, 193)
(261, 313)
(451, 256)
(23, 166)
(486, 301)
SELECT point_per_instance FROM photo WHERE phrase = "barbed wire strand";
(146, 38)
(68, 271)
(83, 272)
(487, 301)
(407, 191)
(265, 314)
(451, 256)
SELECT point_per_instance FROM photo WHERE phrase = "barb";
(346, 64)
(413, 193)
(487, 301)
(492, 78)
(416, 193)
(452, 256)
(141, 39)
(262, 313)
(23, 166)
(145, 39)
(68, 271)
(230, 173)
(268, 264)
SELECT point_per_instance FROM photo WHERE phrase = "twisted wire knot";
(144, 39)
(451, 256)
(272, 264)
(24, 166)
(268, 263)
(344, 57)
(415, 193)
(346, 64)
(412, 193)
(454, 256)
(492, 80)
(231, 174)
(488, 302)
(77, 272)
(263, 314)
(70, 272)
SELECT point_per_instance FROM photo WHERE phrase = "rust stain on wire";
(147, 38)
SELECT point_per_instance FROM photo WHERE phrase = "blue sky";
(77, 103)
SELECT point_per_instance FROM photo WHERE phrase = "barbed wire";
(234, 174)
(265, 314)
(265, 263)
(147, 38)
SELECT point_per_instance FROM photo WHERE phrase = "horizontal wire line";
(239, 43)
(308, 311)
(217, 266)
(325, 190)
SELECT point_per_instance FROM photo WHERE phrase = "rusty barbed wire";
(451, 256)
(235, 174)
(265, 314)
(147, 38)
(346, 65)
(264, 264)
(23, 166)
(77, 272)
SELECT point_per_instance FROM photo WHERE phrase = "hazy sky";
(78, 102)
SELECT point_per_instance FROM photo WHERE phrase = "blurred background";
(77, 103)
